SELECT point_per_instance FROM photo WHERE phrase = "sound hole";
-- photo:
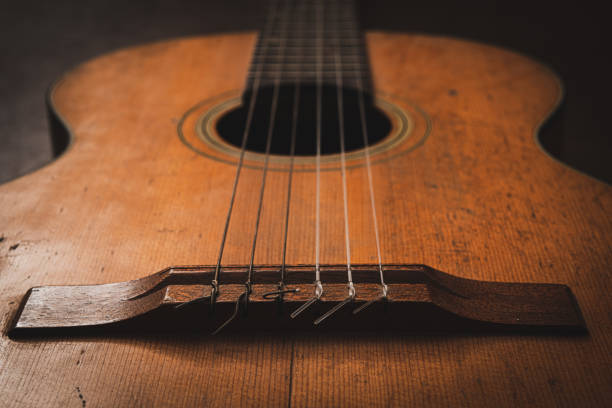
(230, 127)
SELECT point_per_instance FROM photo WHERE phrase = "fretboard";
(310, 41)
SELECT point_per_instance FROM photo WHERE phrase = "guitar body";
(472, 194)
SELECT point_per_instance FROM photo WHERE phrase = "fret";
(336, 15)
(309, 56)
(306, 74)
(328, 45)
(326, 59)
(312, 25)
(306, 43)
(311, 49)
(308, 71)
(313, 65)
(298, 46)
(310, 33)
(309, 24)
(310, 37)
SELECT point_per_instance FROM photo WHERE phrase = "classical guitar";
(305, 216)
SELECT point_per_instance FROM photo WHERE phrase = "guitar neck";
(311, 42)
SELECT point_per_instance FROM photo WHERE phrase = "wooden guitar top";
(474, 196)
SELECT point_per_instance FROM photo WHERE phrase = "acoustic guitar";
(305, 216)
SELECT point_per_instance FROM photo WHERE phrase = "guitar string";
(294, 122)
(281, 290)
(292, 152)
(247, 128)
(340, 100)
(244, 297)
(364, 132)
(269, 136)
(371, 196)
(318, 106)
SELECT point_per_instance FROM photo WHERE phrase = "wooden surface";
(478, 199)
(152, 303)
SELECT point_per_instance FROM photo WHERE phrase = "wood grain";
(152, 303)
(478, 199)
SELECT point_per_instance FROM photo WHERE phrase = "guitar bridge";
(418, 298)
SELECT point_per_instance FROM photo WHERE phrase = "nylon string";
(245, 135)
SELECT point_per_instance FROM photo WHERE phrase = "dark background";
(42, 39)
